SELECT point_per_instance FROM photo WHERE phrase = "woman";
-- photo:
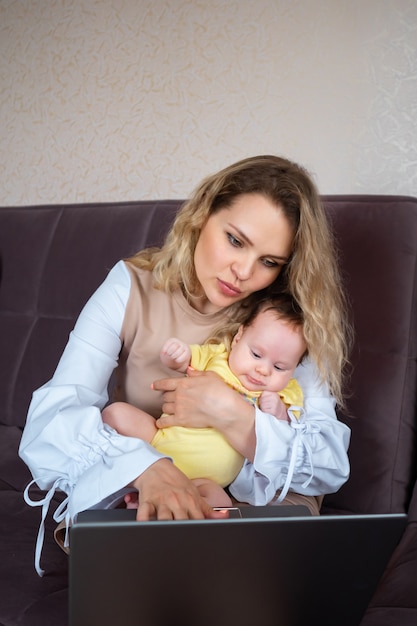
(255, 227)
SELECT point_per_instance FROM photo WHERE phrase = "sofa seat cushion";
(19, 524)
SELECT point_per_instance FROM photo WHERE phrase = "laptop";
(264, 566)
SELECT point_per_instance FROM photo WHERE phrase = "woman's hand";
(203, 400)
(165, 493)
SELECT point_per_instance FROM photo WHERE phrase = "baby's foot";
(131, 500)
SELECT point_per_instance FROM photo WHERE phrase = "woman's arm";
(65, 443)
(308, 455)
(202, 399)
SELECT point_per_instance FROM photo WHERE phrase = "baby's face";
(265, 354)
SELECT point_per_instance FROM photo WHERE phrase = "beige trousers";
(313, 503)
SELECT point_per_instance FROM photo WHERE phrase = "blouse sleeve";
(307, 455)
(65, 443)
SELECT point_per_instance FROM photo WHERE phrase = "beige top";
(152, 316)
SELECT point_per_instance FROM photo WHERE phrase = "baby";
(260, 365)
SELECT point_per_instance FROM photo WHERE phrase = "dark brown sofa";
(53, 257)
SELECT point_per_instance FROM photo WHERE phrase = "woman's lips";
(227, 289)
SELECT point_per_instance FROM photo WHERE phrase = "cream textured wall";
(129, 99)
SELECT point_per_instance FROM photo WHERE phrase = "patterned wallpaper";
(131, 99)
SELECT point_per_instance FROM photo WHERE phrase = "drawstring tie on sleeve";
(302, 429)
(90, 453)
(60, 514)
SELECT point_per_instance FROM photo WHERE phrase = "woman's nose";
(243, 268)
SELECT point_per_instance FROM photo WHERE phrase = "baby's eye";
(233, 240)
(278, 368)
(255, 355)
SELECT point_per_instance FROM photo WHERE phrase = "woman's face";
(241, 249)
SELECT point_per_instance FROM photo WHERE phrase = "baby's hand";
(176, 354)
(271, 403)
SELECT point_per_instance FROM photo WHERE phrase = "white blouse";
(67, 446)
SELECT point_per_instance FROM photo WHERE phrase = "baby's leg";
(212, 493)
(130, 421)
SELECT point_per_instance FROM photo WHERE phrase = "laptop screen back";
(240, 572)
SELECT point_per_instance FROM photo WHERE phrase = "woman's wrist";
(236, 421)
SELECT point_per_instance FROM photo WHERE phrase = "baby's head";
(269, 345)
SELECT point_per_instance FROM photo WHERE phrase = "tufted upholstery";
(53, 257)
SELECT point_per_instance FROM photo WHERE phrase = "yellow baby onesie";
(204, 452)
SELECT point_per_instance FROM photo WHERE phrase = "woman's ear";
(238, 335)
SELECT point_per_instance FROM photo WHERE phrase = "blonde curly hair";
(311, 274)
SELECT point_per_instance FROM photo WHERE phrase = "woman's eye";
(235, 242)
(269, 263)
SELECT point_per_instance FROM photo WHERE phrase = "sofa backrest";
(53, 258)
(377, 238)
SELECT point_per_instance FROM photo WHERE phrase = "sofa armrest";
(395, 598)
